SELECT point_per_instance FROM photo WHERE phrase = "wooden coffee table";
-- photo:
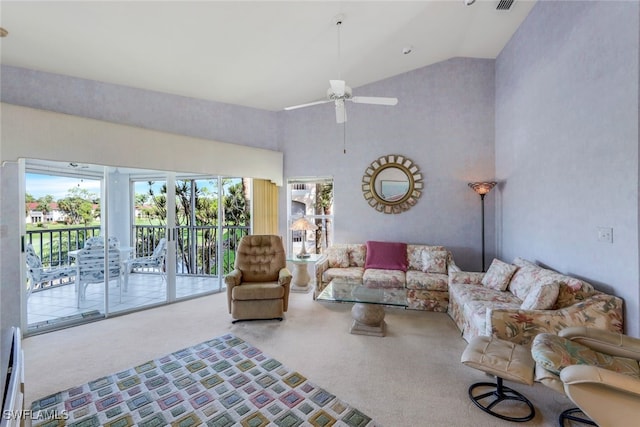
(368, 308)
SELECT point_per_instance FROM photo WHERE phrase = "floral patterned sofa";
(517, 301)
(424, 276)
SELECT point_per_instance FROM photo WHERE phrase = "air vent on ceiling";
(504, 4)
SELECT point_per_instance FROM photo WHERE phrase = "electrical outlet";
(605, 234)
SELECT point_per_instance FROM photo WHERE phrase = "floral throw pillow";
(521, 262)
(498, 275)
(541, 297)
(555, 353)
(338, 257)
(434, 261)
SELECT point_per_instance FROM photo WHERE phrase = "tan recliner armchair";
(258, 287)
(599, 371)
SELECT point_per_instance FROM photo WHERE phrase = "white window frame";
(309, 213)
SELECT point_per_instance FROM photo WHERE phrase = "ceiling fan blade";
(341, 112)
(338, 87)
(377, 100)
(309, 104)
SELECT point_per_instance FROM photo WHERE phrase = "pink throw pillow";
(386, 255)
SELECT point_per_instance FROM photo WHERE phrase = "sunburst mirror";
(392, 184)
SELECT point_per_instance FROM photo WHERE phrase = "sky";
(57, 186)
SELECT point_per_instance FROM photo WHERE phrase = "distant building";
(35, 216)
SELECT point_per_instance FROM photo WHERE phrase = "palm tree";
(198, 248)
(323, 206)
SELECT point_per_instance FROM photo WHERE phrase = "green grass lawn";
(58, 226)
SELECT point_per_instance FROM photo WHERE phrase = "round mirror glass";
(392, 184)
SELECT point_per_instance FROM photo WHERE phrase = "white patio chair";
(99, 240)
(155, 261)
(90, 266)
(37, 274)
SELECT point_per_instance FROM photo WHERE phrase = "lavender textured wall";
(444, 122)
(10, 310)
(567, 144)
(137, 107)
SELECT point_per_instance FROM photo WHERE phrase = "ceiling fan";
(339, 92)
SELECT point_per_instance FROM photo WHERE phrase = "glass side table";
(301, 278)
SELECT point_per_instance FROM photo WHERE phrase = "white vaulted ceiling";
(262, 54)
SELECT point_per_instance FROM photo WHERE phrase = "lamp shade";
(302, 224)
(482, 188)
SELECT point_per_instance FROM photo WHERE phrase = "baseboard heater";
(13, 367)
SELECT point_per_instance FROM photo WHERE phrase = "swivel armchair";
(597, 369)
(258, 287)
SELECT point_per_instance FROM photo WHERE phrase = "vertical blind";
(265, 207)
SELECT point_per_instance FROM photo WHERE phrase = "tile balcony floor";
(58, 303)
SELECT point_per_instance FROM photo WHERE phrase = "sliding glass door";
(164, 237)
(62, 208)
(185, 209)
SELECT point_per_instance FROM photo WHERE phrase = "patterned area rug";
(222, 382)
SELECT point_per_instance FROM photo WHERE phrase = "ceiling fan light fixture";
(334, 96)
(339, 92)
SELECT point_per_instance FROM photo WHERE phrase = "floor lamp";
(482, 188)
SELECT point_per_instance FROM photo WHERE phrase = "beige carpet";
(411, 377)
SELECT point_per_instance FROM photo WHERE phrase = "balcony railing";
(53, 246)
(196, 246)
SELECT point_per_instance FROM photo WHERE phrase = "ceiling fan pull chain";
(344, 138)
(339, 92)
(339, 25)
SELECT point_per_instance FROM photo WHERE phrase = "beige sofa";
(425, 279)
(534, 300)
